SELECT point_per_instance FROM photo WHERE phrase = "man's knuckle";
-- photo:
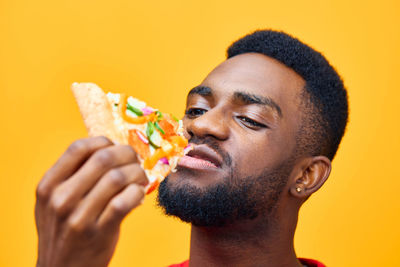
(76, 225)
(131, 152)
(78, 147)
(119, 207)
(59, 204)
(104, 140)
(140, 191)
(42, 192)
(104, 158)
(116, 178)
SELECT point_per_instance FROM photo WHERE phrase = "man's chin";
(223, 196)
(179, 198)
(205, 205)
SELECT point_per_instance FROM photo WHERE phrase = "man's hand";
(82, 200)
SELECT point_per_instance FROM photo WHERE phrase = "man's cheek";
(250, 161)
(242, 167)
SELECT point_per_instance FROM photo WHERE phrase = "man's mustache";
(212, 143)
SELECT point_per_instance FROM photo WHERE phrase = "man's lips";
(201, 157)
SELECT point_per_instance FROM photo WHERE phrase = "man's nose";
(212, 123)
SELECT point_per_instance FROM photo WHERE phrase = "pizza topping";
(149, 129)
(154, 137)
(159, 115)
(136, 141)
(164, 160)
(168, 125)
(135, 110)
(168, 148)
(153, 187)
(151, 161)
(136, 103)
(140, 120)
(142, 137)
(159, 128)
(179, 141)
(160, 138)
(122, 110)
(175, 118)
(147, 110)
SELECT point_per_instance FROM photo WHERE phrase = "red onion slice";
(142, 137)
(164, 160)
(147, 111)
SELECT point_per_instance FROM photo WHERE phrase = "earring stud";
(298, 189)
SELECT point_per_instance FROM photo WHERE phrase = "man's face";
(243, 121)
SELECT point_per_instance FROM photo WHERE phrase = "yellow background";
(156, 50)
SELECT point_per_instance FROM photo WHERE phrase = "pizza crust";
(96, 111)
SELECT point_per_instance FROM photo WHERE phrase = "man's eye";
(251, 122)
(195, 112)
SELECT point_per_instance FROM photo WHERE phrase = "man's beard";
(234, 199)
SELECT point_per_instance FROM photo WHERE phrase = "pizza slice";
(156, 137)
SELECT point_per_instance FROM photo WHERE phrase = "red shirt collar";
(307, 262)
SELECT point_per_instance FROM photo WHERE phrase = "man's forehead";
(257, 74)
(255, 70)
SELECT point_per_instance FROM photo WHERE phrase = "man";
(265, 124)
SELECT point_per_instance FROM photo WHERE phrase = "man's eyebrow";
(249, 99)
(201, 90)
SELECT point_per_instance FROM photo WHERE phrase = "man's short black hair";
(324, 99)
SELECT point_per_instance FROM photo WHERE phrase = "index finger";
(69, 162)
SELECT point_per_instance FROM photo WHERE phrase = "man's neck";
(251, 243)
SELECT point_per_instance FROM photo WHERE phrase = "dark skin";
(78, 219)
(263, 132)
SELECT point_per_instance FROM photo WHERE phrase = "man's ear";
(312, 175)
